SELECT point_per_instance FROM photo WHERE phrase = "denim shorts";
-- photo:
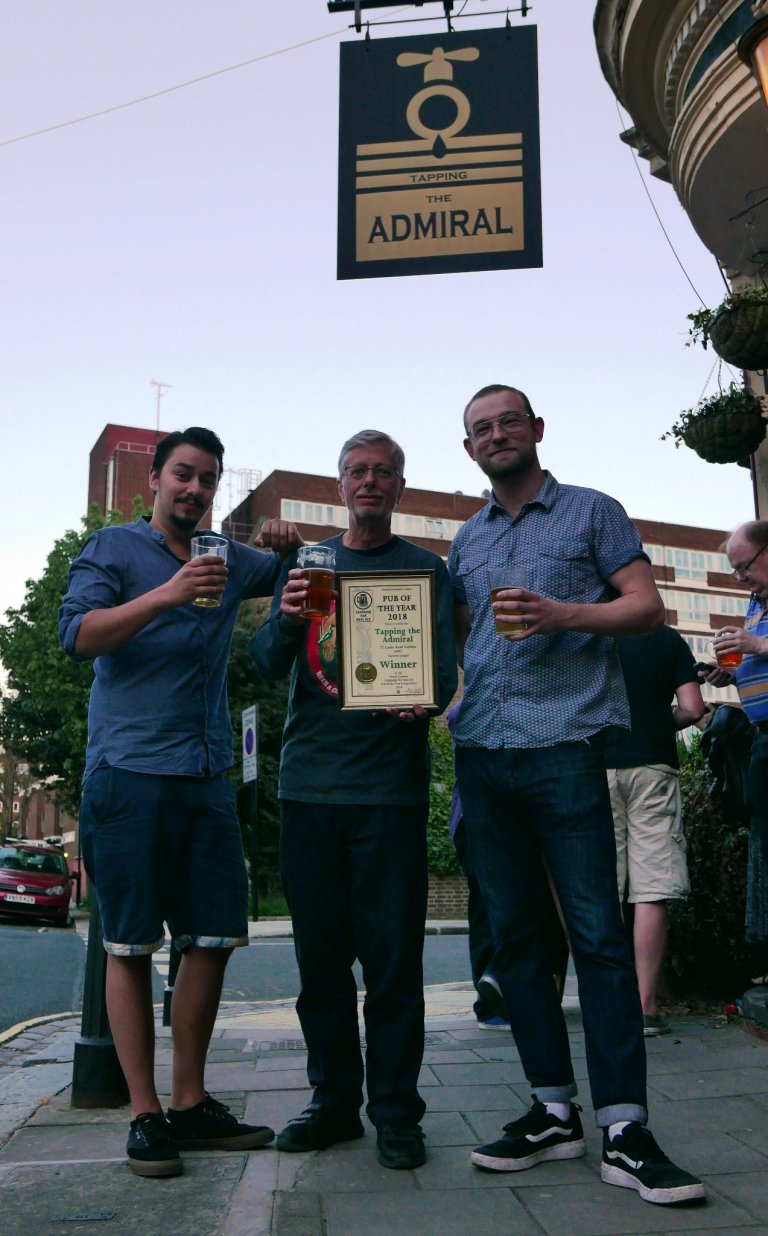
(164, 850)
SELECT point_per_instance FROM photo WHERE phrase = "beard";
(511, 466)
(183, 521)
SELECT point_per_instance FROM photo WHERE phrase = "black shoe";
(151, 1151)
(532, 1139)
(211, 1126)
(654, 1024)
(488, 989)
(317, 1128)
(400, 1144)
(634, 1161)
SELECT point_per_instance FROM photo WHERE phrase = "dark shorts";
(164, 850)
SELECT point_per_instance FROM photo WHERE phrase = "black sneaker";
(211, 1126)
(400, 1144)
(655, 1024)
(634, 1161)
(317, 1128)
(532, 1139)
(489, 990)
(150, 1150)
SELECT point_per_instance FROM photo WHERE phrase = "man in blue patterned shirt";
(538, 706)
(747, 550)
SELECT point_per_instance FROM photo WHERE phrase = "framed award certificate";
(385, 632)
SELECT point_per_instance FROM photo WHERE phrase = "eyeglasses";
(358, 472)
(509, 422)
(741, 573)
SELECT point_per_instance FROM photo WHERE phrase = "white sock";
(561, 1110)
(618, 1127)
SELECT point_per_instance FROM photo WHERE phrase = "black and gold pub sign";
(439, 166)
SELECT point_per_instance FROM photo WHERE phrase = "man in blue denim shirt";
(159, 831)
(537, 706)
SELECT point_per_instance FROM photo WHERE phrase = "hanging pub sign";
(439, 164)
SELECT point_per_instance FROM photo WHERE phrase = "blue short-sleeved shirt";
(554, 688)
(159, 702)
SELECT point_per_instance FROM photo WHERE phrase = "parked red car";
(34, 882)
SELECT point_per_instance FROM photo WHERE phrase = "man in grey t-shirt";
(354, 791)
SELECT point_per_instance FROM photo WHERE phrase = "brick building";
(693, 575)
(118, 468)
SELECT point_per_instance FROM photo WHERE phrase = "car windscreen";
(32, 860)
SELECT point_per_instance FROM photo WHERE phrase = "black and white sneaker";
(634, 1161)
(532, 1139)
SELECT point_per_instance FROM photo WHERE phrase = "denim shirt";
(159, 702)
(548, 689)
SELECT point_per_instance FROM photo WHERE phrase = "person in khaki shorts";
(643, 777)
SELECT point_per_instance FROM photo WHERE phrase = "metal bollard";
(97, 1078)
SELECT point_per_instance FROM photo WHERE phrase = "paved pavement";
(708, 1084)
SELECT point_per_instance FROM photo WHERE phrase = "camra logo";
(446, 184)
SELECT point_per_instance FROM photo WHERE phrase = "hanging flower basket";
(737, 328)
(724, 428)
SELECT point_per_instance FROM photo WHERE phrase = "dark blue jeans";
(519, 804)
(355, 879)
(480, 936)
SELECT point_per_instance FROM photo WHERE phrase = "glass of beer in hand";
(727, 660)
(317, 562)
(209, 546)
(507, 577)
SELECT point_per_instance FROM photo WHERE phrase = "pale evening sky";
(191, 239)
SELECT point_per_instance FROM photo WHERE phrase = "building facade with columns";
(701, 122)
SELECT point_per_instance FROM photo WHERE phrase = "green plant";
(272, 903)
(441, 855)
(722, 428)
(737, 328)
(707, 954)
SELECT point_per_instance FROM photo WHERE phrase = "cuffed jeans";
(355, 879)
(481, 946)
(519, 804)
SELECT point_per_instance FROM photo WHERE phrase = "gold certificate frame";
(385, 634)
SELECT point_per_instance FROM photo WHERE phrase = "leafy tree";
(245, 687)
(441, 854)
(44, 716)
(707, 952)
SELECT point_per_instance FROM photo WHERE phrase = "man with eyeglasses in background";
(354, 791)
(746, 550)
(538, 707)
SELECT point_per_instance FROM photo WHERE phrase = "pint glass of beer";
(507, 577)
(727, 660)
(317, 562)
(209, 546)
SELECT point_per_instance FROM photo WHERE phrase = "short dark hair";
(495, 389)
(204, 439)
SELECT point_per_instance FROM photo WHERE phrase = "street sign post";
(250, 724)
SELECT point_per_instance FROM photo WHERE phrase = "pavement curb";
(14, 1031)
